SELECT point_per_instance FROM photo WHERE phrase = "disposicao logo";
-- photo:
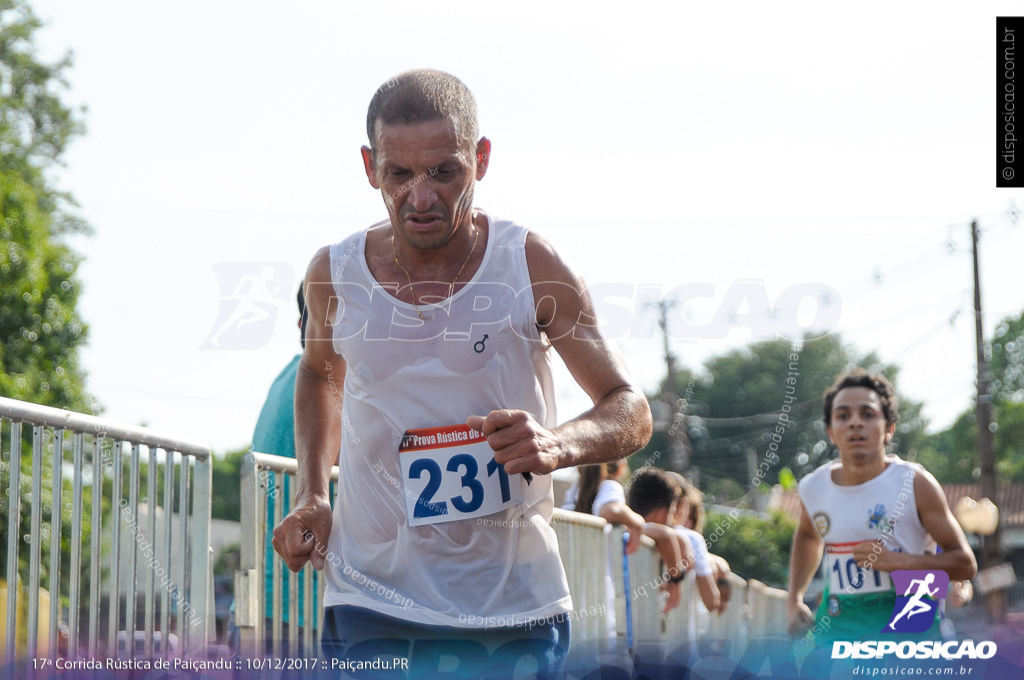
(918, 593)
(926, 649)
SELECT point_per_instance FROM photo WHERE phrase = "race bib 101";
(847, 577)
(450, 473)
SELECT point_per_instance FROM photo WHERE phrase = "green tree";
(227, 475)
(754, 546)
(951, 455)
(771, 393)
(1007, 360)
(40, 331)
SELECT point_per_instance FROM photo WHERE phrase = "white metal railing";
(730, 627)
(90, 455)
(263, 479)
(585, 543)
(681, 623)
(643, 598)
(767, 608)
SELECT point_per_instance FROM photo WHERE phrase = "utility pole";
(670, 359)
(679, 459)
(983, 405)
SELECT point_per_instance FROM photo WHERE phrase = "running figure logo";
(250, 295)
(915, 609)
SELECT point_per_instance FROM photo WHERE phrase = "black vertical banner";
(1009, 88)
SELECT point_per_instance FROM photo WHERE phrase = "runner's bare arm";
(619, 422)
(804, 559)
(956, 558)
(302, 535)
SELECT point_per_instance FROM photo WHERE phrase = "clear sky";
(746, 147)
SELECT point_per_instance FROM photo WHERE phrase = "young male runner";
(439, 318)
(873, 514)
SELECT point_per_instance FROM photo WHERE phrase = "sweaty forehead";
(435, 138)
(856, 397)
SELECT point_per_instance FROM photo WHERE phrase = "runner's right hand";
(799, 617)
(302, 536)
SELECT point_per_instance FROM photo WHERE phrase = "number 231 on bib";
(449, 473)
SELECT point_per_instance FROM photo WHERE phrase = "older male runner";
(873, 514)
(427, 364)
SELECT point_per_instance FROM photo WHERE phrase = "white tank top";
(437, 533)
(881, 508)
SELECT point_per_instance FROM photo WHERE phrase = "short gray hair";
(421, 96)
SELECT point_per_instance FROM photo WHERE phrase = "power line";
(173, 395)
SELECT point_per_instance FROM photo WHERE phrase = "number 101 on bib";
(449, 473)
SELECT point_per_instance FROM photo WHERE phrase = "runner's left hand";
(874, 555)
